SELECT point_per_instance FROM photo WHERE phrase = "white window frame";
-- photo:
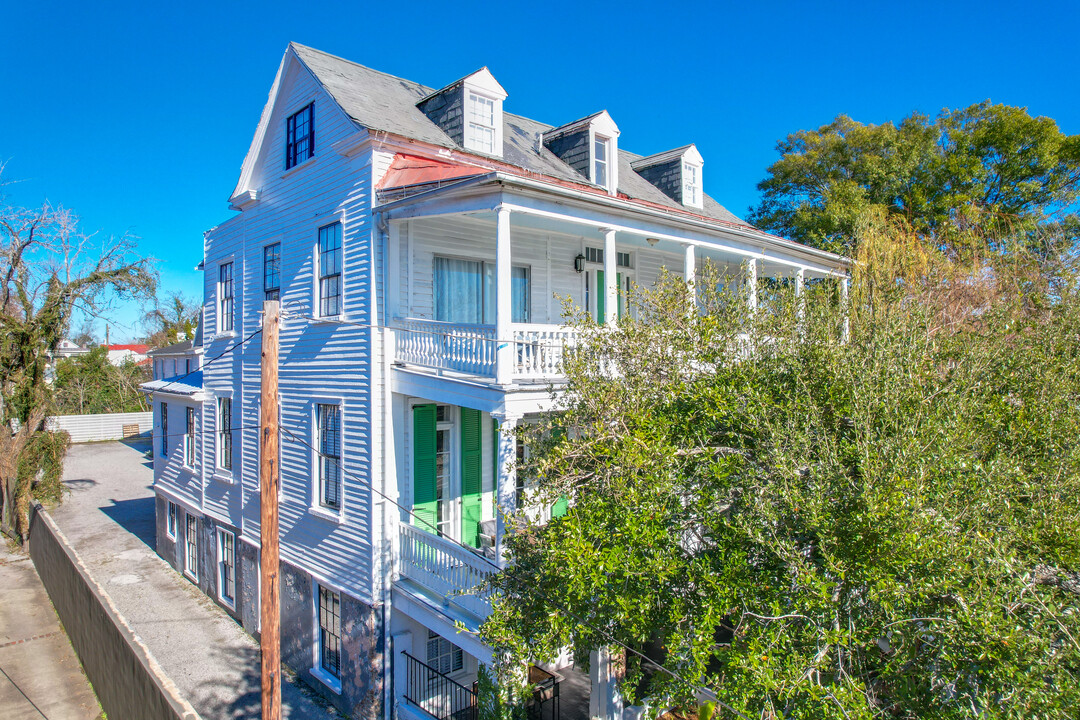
(191, 569)
(226, 321)
(317, 264)
(190, 433)
(170, 520)
(316, 507)
(696, 197)
(221, 536)
(164, 412)
(444, 648)
(219, 439)
(470, 95)
(594, 139)
(328, 679)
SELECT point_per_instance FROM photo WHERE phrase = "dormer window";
(300, 136)
(601, 160)
(480, 135)
(691, 185)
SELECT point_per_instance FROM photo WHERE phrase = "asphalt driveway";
(109, 518)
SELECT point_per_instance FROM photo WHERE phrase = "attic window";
(601, 156)
(300, 136)
(691, 185)
(481, 131)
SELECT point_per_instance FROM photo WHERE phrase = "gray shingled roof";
(377, 101)
(186, 385)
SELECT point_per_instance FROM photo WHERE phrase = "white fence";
(107, 426)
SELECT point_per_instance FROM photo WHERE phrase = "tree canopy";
(996, 159)
(809, 528)
(48, 270)
(171, 317)
(90, 383)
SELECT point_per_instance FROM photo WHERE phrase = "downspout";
(382, 237)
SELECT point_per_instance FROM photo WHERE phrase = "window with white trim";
(225, 297)
(224, 433)
(328, 423)
(227, 566)
(191, 542)
(300, 136)
(329, 619)
(691, 185)
(272, 272)
(189, 438)
(480, 131)
(330, 270)
(601, 161)
(170, 522)
(443, 655)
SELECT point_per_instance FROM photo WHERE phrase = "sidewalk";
(109, 518)
(39, 673)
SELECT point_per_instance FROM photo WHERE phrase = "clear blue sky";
(137, 115)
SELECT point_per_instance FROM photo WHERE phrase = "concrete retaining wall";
(107, 426)
(128, 681)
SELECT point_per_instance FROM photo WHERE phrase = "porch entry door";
(596, 294)
(446, 502)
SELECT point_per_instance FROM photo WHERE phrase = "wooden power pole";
(269, 480)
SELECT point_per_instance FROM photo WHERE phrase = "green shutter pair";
(425, 492)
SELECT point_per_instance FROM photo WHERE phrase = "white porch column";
(505, 477)
(690, 273)
(400, 643)
(800, 282)
(611, 288)
(604, 699)
(845, 283)
(751, 284)
(504, 349)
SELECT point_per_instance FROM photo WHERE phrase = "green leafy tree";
(995, 158)
(89, 383)
(808, 528)
(48, 269)
(173, 316)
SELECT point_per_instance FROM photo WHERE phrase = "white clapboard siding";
(106, 426)
(319, 361)
(170, 472)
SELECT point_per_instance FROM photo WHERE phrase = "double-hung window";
(170, 523)
(272, 272)
(481, 129)
(601, 160)
(227, 566)
(691, 185)
(164, 430)
(300, 136)
(189, 438)
(329, 427)
(225, 433)
(465, 292)
(330, 270)
(191, 540)
(225, 297)
(329, 617)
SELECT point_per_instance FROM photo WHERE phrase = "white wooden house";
(417, 239)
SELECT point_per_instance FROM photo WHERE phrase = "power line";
(220, 355)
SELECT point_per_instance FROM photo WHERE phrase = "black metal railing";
(437, 694)
(544, 703)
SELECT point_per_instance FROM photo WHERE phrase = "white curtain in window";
(459, 291)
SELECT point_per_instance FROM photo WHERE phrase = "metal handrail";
(437, 694)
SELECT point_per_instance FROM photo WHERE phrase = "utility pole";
(269, 480)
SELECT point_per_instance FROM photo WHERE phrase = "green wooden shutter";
(601, 297)
(425, 502)
(558, 509)
(619, 301)
(472, 484)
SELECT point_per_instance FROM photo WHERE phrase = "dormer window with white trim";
(481, 131)
(691, 184)
(601, 160)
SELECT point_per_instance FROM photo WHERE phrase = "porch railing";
(537, 350)
(436, 694)
(445, 568)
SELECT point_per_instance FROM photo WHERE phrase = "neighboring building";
(177, 359)
(417, 238)
(67, 349)
(119, 354)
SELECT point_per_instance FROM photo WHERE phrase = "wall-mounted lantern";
(579, 263)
